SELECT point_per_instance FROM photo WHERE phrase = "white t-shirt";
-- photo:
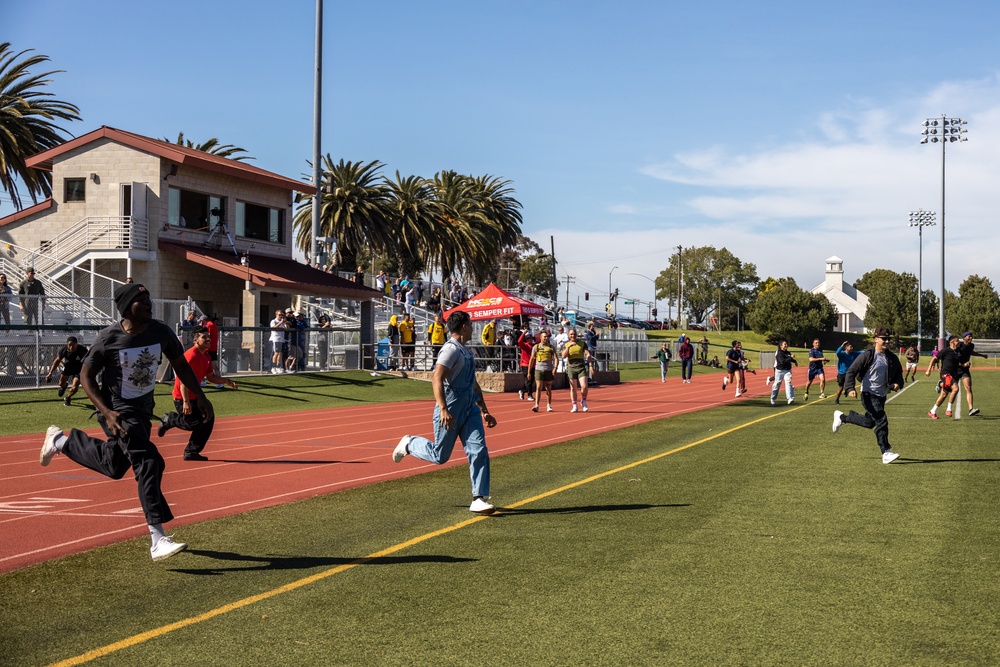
(277, 336)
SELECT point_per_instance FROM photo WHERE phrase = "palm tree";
(417, 217)
(354, 210)
(213, 147)
(26, 123)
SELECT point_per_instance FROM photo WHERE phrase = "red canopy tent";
(495, 304)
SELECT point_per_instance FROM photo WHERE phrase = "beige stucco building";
(185, 223)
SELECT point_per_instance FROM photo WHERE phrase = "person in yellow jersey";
(489, 339)
(542, 363)
(407, 341)
(393, 336)
(435, 334)
(577, 357)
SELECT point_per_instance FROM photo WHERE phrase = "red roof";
(175, 153)
(273, 273)
(26, 212)
(495, 304)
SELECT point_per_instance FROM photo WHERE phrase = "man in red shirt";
(213, 342)
(186, 418)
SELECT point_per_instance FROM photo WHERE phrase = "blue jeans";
(874, 418)
(687, 365)
(469, 427)
(663, 370)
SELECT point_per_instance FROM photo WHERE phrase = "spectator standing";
(663, 355)
(880, 373)
(323, 341)
(393, 336)
(359, 276)
(380, 282)
(703, 343)
(560, 340)
(459, 412)
(846, 355)
(31, 292)
(212, 327)
(434, 302)
(126, 355)
(783, 361)
(186, 417)
(302, 324)
(949, 360)
(686, 354)
(436, 334)
(71, 357)
(407, 342)
(6, 291)
(279, 329)
(591, 337)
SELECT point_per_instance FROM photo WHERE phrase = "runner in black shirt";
(71, 357)
(126, 355)
(949, 360)
(967, 350)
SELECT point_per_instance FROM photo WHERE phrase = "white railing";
(104, 232)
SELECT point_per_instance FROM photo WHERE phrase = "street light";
(654, 286)
(920, 219)
(943, 131)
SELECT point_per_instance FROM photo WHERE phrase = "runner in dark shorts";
(948, 359)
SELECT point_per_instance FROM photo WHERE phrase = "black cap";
(126, 294)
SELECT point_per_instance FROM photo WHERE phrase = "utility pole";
(569, 279)
(555, 282)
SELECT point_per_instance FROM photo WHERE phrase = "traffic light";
(616, 292)
(586, 296)
(654, 312)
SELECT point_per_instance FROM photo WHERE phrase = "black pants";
(874, 418)
(529, 381)
(115, 456)
(200, 429)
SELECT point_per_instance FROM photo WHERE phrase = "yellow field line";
(239, 604)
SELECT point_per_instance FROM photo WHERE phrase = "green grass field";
(743, 535)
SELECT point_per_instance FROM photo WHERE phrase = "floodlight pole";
(314, 252)
(920, 219)
(942, 131)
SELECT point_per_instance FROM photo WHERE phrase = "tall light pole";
(943, 131)
(680, 288)
(920, 219)
(610, 297)
(654, 286)
(314, 248)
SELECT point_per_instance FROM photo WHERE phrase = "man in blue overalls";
(460, 413)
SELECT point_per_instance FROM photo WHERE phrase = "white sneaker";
(973, 412)
(548, 408)
(584, 404)
(49, 446)
(768, 381)
(480, 506)
(889, 456)
(401, 449)
(274, 371)
(772, 402)
(791, 400)
(520, 394)
(738, 393)
(837, 421)
(573, 409)
(822, 395)
(165, 547)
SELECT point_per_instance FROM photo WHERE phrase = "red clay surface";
(265, 460)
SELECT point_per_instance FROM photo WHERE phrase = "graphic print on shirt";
(139, 366)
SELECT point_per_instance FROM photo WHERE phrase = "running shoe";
(947, 413)
(973, 412)
(401, 450)
(838, 420)
(932, 415)
(889, 456)
(49, 448)
(584, 404)
(573, 409)
(165, 547)
(481, 506)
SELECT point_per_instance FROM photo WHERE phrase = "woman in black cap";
(128, 353)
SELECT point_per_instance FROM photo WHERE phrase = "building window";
(193, 210)
(75, 189)
(260, 222)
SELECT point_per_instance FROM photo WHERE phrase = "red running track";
(263, 460)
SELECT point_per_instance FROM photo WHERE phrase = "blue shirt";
(845, 359)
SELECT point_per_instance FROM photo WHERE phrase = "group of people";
(289, 341)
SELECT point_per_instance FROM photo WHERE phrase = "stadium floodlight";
(944, 131)
(920, 219)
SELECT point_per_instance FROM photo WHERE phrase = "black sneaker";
(67, 401)
(194, 456)
(162, 429)
(62, 390)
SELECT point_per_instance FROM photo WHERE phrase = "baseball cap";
(880, 332)
(967, 333)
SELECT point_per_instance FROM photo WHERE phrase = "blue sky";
(785, 131)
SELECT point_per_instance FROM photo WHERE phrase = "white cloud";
(847, 190)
